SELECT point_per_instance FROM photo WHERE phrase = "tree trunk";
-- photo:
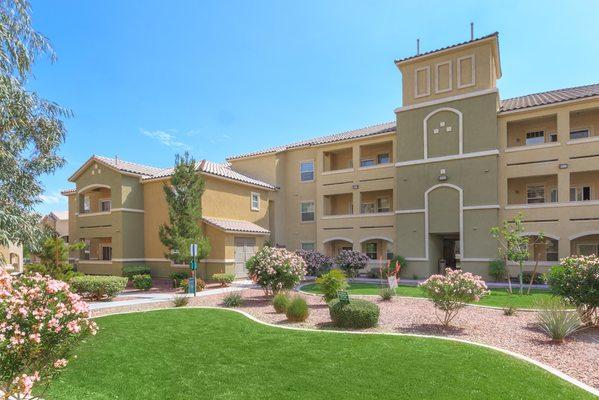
(520, 276)
(534, 273)
(507, 272)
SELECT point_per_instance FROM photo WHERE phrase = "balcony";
(376, 201)
(338, 205)
(376, 155)
(584, 126)
(97, 250)
(337, 160)
(95, 200)
(532, 133)
(533, 191)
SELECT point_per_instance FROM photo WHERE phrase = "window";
(105, 205)
(383, 159)
(308, 246)
(86, 253)
(553, 137)
(350, 208)
(389, 254)
(106, 253)
(580, 193)
(536, 137)
(307, 171)
(307, 211)
(553, 195)
(371, 250)
(587, 249)
(367, 208)
(255, 201)
(579, 134)
(535, 194)
(366, 163)
(86, 204)
(383, 204)
(552, 250)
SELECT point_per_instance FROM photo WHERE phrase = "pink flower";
(60, 363)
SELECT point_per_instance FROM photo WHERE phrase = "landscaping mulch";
(578, 357)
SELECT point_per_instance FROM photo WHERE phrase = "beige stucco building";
(456, 161)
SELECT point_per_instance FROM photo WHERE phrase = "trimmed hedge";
(98, 287)
(355, 314)
(142, 282)
(131, 270)
(223, 279)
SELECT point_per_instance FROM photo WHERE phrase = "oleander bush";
(178, 276)
(276, 269)
(224, 279)
(297, 310)
(355, 314)
(556, 320)
(452, 291)
(576, 279)
(98, 287)
(387, 294)
(280, 302)
(316, 263)
(331, 283)
(351, 262)
(233, 300)
(142, 282)
(131, 270)
(200, 285)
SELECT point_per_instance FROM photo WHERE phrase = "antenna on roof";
(471, 30)
(116, 160)
(417, 47)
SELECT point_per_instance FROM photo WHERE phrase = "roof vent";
(471, 31)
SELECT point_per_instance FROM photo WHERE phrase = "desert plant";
(316, 263)
(297, 310)
(576, 279)
(280, 302)
(355, 314)
(142, 282)
(276, 269)
(200, 285)
(131, 270)
(351, 262)
(233, 300)
(331, 283)
(224, 279)
(497, 269)
(510, 310)
(450, 292)
(180, 300)
(42, 322)
(386, 294)
(178, 276)
(556, 320)
(98, 287)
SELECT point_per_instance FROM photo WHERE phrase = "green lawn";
(497, 297)
(219, 354)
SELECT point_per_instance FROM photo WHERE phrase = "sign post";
(193, 250)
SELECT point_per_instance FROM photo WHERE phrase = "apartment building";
(456, 161)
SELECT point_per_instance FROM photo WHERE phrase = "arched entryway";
(333, 246)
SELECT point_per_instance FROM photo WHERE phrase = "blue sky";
(147, 80)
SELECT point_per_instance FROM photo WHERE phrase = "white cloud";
(52, 198)
(166, 138)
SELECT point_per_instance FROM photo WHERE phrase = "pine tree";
(184, 200)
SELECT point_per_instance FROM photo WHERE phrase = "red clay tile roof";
(447, 48)
(233, 225)
(551, 97)
(67, 192)
(354, 134)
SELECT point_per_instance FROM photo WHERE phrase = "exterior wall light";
(563, 166)
(355, 187)
(442, 175)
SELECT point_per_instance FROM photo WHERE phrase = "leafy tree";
(184, 200)
(54, 259)
(513, 246)
(31, 128)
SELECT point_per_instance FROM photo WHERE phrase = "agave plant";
(557, 321)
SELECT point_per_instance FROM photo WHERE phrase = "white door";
(245, 247)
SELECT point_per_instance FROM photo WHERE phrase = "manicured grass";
(497, 297)
(219, 354)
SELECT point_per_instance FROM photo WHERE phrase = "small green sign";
(343, 297)
(193, 265)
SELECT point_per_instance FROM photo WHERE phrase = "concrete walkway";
(137, 298)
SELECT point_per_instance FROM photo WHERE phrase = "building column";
(563, 126)
(563, 185)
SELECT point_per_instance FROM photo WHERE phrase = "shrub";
(450, 292)
(131, 270)
(280, 302)
(180, 300)
(297, 310)
(355, 314)
(233, 300)
(331, 283)
(276, 269)
(42, 322)
(54, 259)
(98, 287)
(142, 282)
(200, 285)
(387, 294)
(316, 263)
(576, 279)
(556, 320)
(497, 269)
(178, 276)
(351, 262)
(223, 279)
(399, 259)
